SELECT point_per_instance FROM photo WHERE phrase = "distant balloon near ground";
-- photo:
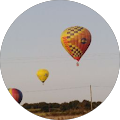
(42, 74)
(16, 94)
(76, 41)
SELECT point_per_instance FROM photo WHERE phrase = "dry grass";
(62, 117)
(59, 115)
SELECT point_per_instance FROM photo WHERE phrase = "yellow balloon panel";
(43, 74)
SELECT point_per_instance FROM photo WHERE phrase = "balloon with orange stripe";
(16, 94)
(76, 41)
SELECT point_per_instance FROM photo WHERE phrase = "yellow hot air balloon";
(76, 41)
(42, 74)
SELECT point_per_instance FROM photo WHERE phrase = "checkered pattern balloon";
(76, 41)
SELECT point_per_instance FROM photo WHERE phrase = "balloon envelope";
(42, 75)
(16, 94)
(76, 41)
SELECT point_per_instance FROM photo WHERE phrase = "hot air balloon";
(76, 41)
(16, 94)
(43, 75)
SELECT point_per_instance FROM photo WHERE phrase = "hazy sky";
(33, 42)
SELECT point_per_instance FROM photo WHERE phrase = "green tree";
(64, 106)
(74, 104)
(44, 107)
(86, 105)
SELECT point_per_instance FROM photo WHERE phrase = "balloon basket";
(77, 64)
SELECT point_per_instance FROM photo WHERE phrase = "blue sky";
(33, 42)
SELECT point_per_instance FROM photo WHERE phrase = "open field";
(59, 115)
(62, 117)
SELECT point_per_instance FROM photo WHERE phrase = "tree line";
(62, 107)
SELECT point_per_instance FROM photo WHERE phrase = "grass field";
(62, 117)
(59, 115)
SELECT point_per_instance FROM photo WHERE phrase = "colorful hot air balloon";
(43, 74)
(16, 94)
(76, 41)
